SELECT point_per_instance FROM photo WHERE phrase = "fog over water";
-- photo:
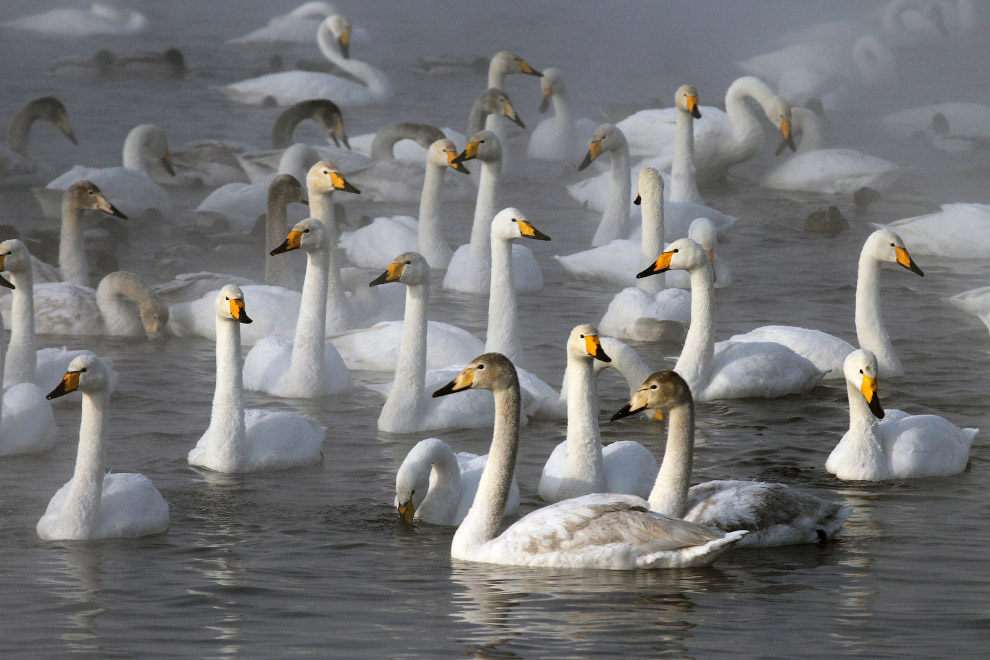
(313, 562)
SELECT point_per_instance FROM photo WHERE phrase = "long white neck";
(443, 498)
(746, 128)
(22, 356)
(652, 243)
(227, 433)
(432, 244)
(565, 117)
(870, 331)
(482, 521)
(71, 245)
(812, 133)
(683, 183)
(338, 311)
(308, 364)
(615, 218)
(479, 250)
(376, 82)
(133, 154)
(81, 512)
(584, 470)
(407, 393)
(863, 453)
(278, 271)
(120, 298)
(695, 363)
(503, 313)
(626, 361)
(669, 494)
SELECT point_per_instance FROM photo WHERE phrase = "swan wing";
(960, 231)
(629, 468)
(279, 440)
(827, 352)
(28, 422)
(924, 445)
(759, 369)
(131, 506)
(612, 263)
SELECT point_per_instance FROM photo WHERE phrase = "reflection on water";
(79, 582)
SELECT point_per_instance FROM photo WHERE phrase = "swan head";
(412, 481)
(650, 182)
(85, 373)
(551, 83)
(491, 371)
(286, 189)
(340, 28)
(483, 145)
(153, 143)
(14, 258)
(309, 235)
(507, 62)
(584, 343)
(606, 138)
(409, 268)
(494, 101)
(85, 194)
(510, 224)
(324, 178)
(327, 114)
(860, 370)
(53, 111)
(885, 245)
(662, 390)
(686, 99)
(230, 304)
(682, 254)
(154, 318)
(442, 153)
(779, 114)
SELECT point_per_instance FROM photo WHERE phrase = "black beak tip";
(518, 120)
(5, 283)
(646, 272)
(243, 318)
(696, 113)
(381, 279)
(600, 355)
(460, 168)
(624, 412)
(639, 200)
(445, 390)
(587, 161)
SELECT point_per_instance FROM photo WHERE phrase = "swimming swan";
(16, 167)
(559, 137)
(957, 231)
(27, 424)
(99, 19)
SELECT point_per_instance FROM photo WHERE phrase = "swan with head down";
(16, 166)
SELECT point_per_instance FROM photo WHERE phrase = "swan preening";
(17, 168)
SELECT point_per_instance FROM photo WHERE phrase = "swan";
(967, 120)
(288, 87)
(615, 217)
(957, 231)
(27, 424)
(284, 190)
(773, 513)
(974, 301)
(469, 268)
(703, 232)
(729, 369)
(100, 19)
(299, 26)
(95, 504)
(240, 440)
(833, 171)
(579, 465)
(624, 359)
(129, 186)
(16, 167)
(560, 137)
(610, 531)
(368, 245)
(446, 482)
(309, 365)
(80, 196)
(503, 64)
(828, 352)
(892, 445)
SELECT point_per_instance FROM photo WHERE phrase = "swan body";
(967, 120)
(437, 486)
(93, 504)
(883, 445)
(772, 513)
(16, 167)
(27, 424)
(299, 26)
(100, 19)
(975, 302)
(605, 531)
(560, 137)
(957, 231)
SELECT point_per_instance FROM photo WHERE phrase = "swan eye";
(305, 231)
(513, 219)
(675, 250)
(582, 336)
(892, 245)
(326, 172)
(860, 371)
(226, 297)
(408, 262)
(481, 141)
(481, 366)
(83, 370)
(653, 386)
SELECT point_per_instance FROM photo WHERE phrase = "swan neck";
(695, 363)
(683, 176)
(22, 361)
(746, 127)
(669, 494)
(616, 216)
(20, 127)
(375, 81)
(503, 323)
(71, 245)
(652, 243)
(338, 311)
(286, 123)
(114, 297)
(227, 431)
(479, 252)
(308, 360)
(584, 466)
(870, 331)
(82, 504)
(432, 244)
(408, 389)
(277, 269)
(627, 362)
(133, 155)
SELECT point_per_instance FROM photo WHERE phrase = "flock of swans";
(612, 507)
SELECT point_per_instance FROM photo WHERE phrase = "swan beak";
(692, 106)
(459, 384)
(292, 242)
(512, 115)
(452, 160)
(392, 274)
(237, 311)
(636, 403)
(527, 69)
(786, 137)
(661, 265)
(545, 101)
(337, 132)
(4, 282)
(711, 258)
(869, 390)
(66, 128)
(594, 347)
(529, 231)
(340, 183)
(470, 152)
(344, 41)
(70, 383)
(904, 259)
(638, 200)
(303, 201)
(167, 163)
(103, 204)
(407, 511)
(594, 151)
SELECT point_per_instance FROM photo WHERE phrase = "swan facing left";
(95, 504)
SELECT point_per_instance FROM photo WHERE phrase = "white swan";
(503, 64)
(579, 465)
(299, 26)
(437, 486)
(957, 231)
(309, 365)
(560, 137)
(16, 167)
(99, 19)
(828, 352)
(288, 87)
(966, 120)
(240, 440)
(284, 190)
(594, 531)
(130, 186)
(975, 302)
(773, 514)
(27, 424)
(95, 504)
(469, 268)
(728, 369)
(892, 445)
(703, 232)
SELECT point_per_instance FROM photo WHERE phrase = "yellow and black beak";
(470, 152)
(636, 403)
(869, 390)
(70, 383)
(452, 160)
(527, 69)
(344, 42)
(407, 511)
(167, 163)
(692, 106)
(340, 183)
(66, 128)
(904, 259)
(338, 135)
(594, 151)
(463, 382)
(237, 310)
(512, 115)
(662, 264)
(529, 231)
(545, 101)
(392, 274)
(292, 242)
(3, 281)
(594, 347)
(786, 137)
(103, 204)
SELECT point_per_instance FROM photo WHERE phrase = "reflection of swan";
(594, 531)
(93, 504)
(892, 445)
(16, 167)
(99, 19)
(288, 87)
(579, 465)
(240, 440)
(26, 421)
(957, 231)
(773, 513)
(446, 484)
(559, 137)
(309, 365)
